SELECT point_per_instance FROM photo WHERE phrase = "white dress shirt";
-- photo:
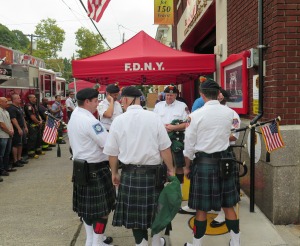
(209, 129)
(103, 106)
(87, 136)
(71, 103)
(169, 112)
(137, 137)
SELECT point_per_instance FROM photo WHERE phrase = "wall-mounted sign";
(255, 94)
(234, 79)
(163, 12)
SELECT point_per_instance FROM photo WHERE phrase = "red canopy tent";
(143, 60)
(80, 84)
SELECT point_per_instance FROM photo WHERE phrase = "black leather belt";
(94, 167)
(141, 169)
(206, 160)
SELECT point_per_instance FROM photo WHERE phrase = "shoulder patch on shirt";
(187, 110)
(235, 123)
(98, 128)
(188, 122)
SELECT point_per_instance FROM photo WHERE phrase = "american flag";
(50, 132)
(96, 8)
(272, 136)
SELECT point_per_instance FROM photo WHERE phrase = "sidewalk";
(256, 230)
(36, 210)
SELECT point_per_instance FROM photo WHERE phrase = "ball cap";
(131, 91)
(171, 89)
(87, 93)
(113, 88)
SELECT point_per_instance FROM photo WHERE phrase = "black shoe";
(4, 173)
(62, 142)
(182, 211)
(52, 145)
(11, 170)
(1, 179)
(23, 161)
(108, 240)
(17, 164)
(215, 224)
(47, 149)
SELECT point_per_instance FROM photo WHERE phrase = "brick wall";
(282, 35)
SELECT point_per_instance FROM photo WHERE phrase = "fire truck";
(24, 74)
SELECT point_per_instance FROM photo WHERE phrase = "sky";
(121, 16)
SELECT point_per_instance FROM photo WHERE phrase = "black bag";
(161, 175)
(80, 172)
(226, 167)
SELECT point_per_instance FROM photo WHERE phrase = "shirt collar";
(134, 107)
(212, 102)
(170, 105)
(85, 111)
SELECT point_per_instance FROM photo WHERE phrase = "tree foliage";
(22, 40)
(50, 41)
(13, 39)
(89, 43)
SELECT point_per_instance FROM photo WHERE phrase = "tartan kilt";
(97, 199)
(178, 158)
(208, 191)
(136, 201)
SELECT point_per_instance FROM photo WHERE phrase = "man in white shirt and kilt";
(140, 141)
(93, 191)
(207, 143)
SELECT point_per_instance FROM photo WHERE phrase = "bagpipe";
(51, 131)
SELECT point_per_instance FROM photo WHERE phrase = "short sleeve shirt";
(55, 106)
(199, 102)
(103, 106)
(16, 112)
(137, 137)
(4, 118)
(169, 112)
(209, 129)
(87, 136)
(71, 103)
(31, 109)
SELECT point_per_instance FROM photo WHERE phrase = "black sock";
(88, 221)
(180, 177)
(199, 228)
(139, 234)
(233, 225)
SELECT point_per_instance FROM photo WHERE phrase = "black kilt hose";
(137, 200)
(208, 191)
(97, 199)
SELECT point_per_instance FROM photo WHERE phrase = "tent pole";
(75, 87)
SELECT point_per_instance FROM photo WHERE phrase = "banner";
(163, 12)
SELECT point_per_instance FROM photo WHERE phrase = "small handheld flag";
(50, 132)
(272, 137)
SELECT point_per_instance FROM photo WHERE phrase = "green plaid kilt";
(210, 192)
(97, 199)
(178, 158)
(136, 201)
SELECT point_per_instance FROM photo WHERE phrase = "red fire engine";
(24, 74)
